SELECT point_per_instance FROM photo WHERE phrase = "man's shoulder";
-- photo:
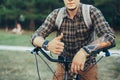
(58, 9)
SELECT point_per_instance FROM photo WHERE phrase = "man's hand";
(79, 61)
(56, 46)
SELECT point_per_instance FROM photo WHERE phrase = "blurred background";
(31, 13)
(20, 18)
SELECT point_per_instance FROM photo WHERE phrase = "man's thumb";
(60, 36)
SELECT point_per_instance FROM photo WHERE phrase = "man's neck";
(73, 12)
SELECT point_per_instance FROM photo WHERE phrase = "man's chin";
(72, 9)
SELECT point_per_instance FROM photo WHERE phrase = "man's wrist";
(87, 51)
(45, 45)
(82, 51)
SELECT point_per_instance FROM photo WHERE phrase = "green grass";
(7, 38)
(21, 66)
(16, 65)
(117, 34)
(109, 68)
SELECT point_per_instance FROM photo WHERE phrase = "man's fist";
(79, 61)
(56, 46)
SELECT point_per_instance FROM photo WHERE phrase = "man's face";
(71, 4)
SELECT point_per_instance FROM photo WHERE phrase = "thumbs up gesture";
(55, 45)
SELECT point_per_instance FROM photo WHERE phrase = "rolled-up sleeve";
(47, 27)
(101, 26)
(106, 37)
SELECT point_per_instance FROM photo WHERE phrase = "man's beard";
(72, 9)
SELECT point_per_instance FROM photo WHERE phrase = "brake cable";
(35, 53)
(47, 65)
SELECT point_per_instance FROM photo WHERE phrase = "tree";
(111, 10)
(35, 11)
(27, 11)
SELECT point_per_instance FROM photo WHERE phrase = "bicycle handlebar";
(60, 59)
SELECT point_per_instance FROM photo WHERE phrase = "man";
(75, 39)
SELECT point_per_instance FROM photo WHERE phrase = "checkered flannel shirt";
(76, 33)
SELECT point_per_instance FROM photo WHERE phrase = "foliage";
(27, 11)
(111, 10)
(29, 8)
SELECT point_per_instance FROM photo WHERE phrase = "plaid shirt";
(76, 33)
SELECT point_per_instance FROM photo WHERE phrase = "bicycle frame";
(61, 59)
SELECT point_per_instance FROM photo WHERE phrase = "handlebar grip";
(36, 49)
(107, 53)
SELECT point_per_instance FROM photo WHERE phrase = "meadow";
(7, 38)
(16, 65)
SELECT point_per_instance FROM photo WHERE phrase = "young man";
(75, 39)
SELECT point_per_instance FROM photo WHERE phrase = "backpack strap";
(59, 17)
(86, 14)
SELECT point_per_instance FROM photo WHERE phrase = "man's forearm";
(38, 41)
(101, 43)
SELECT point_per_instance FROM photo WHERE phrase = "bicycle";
(60, 59)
